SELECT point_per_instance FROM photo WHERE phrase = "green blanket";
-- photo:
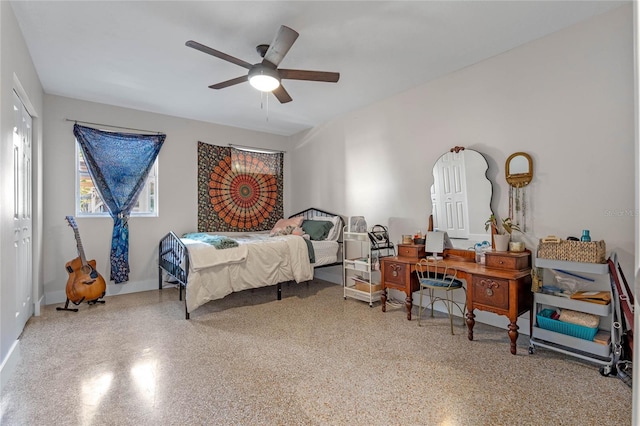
(218, 241)
(312, 252)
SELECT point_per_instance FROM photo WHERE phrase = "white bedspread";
(203, 255)
(259, 261)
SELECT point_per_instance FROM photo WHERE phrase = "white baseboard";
(60, 296)
(37, 308)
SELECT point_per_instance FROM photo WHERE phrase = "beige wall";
(177, 196)
(566, 99)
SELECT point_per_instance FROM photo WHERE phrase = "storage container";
(366, 287)
(573, 251)
(545, 321)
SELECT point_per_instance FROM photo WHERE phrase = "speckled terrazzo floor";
(312, 358)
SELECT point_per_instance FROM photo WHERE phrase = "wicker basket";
(573, 251)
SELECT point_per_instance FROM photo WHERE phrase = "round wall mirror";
(519, 169)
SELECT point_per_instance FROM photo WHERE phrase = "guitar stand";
(67, 308)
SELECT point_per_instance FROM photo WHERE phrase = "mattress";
(259, 261)
(326, 252)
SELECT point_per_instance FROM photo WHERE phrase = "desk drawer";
(508, 260)
(394, 273)
(491, 292)
(411, 250)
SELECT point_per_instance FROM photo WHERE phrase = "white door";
(450, 186)
(22, 208)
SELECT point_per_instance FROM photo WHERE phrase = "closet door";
(22, 210)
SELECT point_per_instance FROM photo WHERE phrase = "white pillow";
(334, 232)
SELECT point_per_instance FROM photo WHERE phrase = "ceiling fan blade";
(282, 95)
(280, 45)
(228, 83)
(330, 77)
(218, 54)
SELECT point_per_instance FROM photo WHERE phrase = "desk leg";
(470, 323)
(408, 302)
(383, 300)
(513, 335)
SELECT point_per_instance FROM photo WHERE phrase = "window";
(89, 203)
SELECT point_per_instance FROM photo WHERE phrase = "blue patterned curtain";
(119, 164)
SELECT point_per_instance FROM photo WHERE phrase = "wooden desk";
(501, 291)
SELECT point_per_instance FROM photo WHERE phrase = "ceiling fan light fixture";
(264, 79)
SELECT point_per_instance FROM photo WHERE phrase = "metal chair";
(434, 275)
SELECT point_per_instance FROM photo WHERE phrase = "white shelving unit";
(588, 350)
(358, 279)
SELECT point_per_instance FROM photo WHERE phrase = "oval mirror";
(461, 197)
(519, 169)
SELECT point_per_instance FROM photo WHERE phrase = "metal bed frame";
(173, 257)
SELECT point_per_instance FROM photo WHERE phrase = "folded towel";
(579, 318)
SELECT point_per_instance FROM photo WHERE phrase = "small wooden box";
(508, 260)
(366, 287)
(411, 250)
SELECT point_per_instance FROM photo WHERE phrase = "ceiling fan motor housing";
(262, 49)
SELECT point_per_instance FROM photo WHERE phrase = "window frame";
(155, 170)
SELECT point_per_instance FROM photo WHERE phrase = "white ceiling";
(132, 53)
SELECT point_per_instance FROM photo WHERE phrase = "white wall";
(16, 72)
(566, 99)
(177, 194)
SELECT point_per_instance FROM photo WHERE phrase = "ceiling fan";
(266, 76)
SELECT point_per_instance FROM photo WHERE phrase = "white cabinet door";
(22, 211)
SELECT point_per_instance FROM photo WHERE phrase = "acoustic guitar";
(84, 283)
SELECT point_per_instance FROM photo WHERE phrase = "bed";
(205, 273)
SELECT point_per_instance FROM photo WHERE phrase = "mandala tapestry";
(238, 190)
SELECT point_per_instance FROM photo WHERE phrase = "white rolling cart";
(360, 272)
(550, 338)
